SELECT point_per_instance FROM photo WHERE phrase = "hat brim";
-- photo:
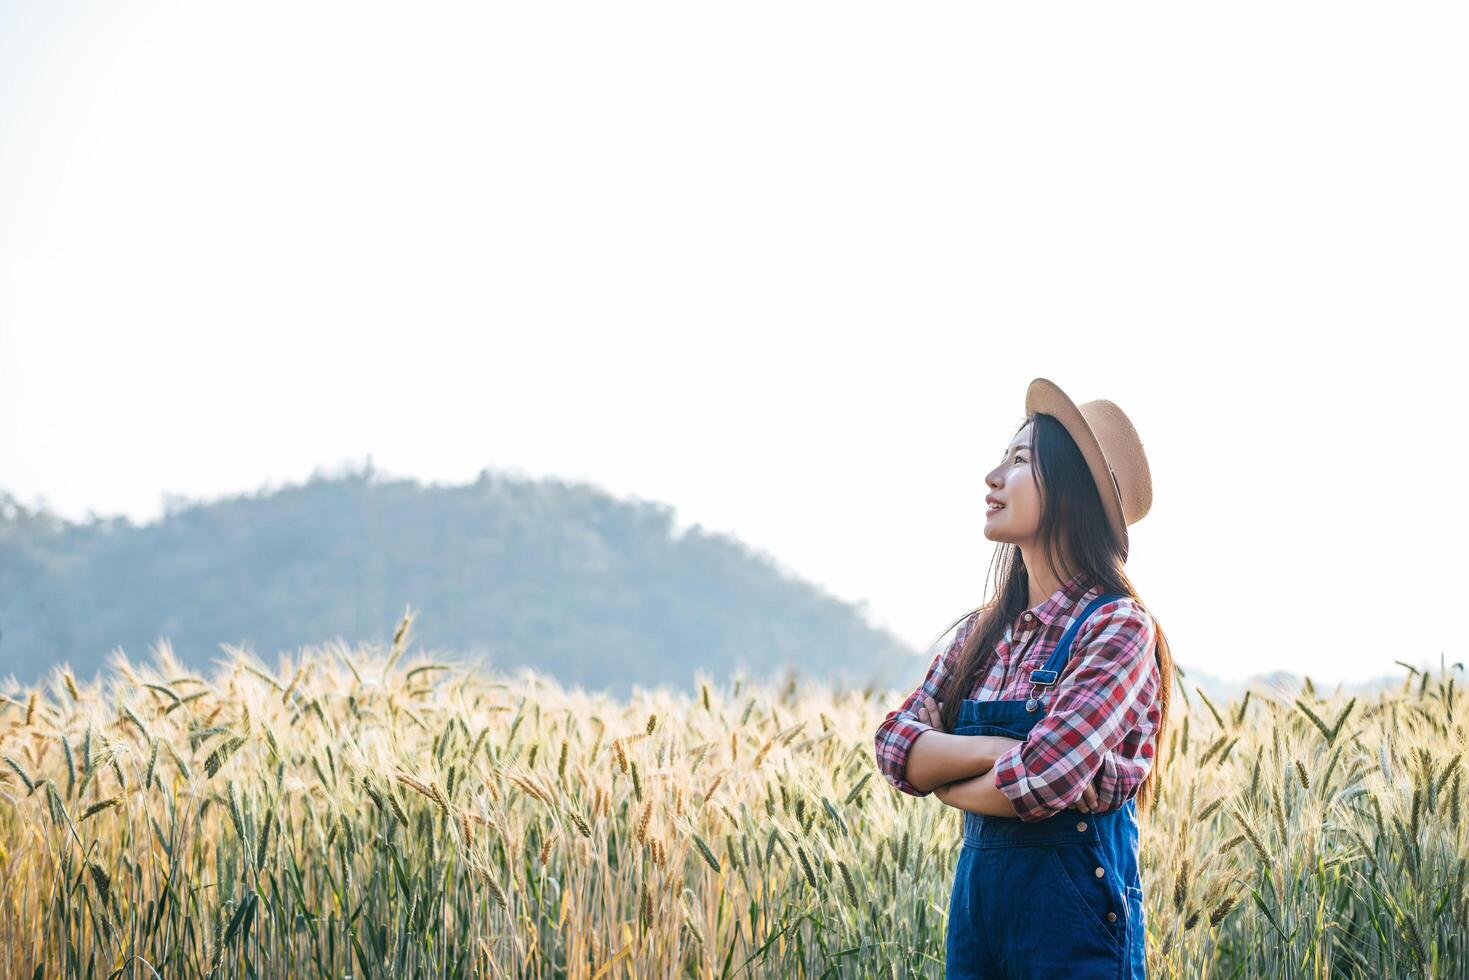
(1045, 396)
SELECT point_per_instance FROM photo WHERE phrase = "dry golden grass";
(362, 813)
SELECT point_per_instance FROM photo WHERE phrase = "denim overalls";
(1059, 897)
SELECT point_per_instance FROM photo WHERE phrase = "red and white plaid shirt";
(1100, 717)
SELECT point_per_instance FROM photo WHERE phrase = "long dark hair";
(1073, 528)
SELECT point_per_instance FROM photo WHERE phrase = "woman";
(1040, 720)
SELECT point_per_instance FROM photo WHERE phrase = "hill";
(562, 577)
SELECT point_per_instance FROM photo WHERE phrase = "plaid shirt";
(1100, 717)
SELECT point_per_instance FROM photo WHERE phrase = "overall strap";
(1046, 676)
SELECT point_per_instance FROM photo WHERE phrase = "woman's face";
(1013, 484)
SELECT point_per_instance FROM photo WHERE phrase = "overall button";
(1081, 825)
(1100, 872)
(1111, 916)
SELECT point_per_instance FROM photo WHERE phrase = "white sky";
(787, 266)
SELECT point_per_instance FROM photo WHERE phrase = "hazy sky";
(788, 267)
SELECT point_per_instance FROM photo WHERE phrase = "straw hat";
(1113, 452)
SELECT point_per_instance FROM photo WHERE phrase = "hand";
(1088, 801)
(929, 712)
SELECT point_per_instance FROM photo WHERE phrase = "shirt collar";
(1071, 592)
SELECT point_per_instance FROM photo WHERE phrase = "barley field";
(370, 813)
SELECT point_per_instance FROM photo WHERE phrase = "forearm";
(979, 794)
(936, 757)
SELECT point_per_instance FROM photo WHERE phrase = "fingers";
(928, 711)
(1088, 800)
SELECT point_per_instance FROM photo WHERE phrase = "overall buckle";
(1039, 678)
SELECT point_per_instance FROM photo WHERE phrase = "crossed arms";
(1068, 759)
(960, 769)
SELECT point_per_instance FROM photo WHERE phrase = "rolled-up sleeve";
(901, 728)
(1110, 682)
(1117, 779)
